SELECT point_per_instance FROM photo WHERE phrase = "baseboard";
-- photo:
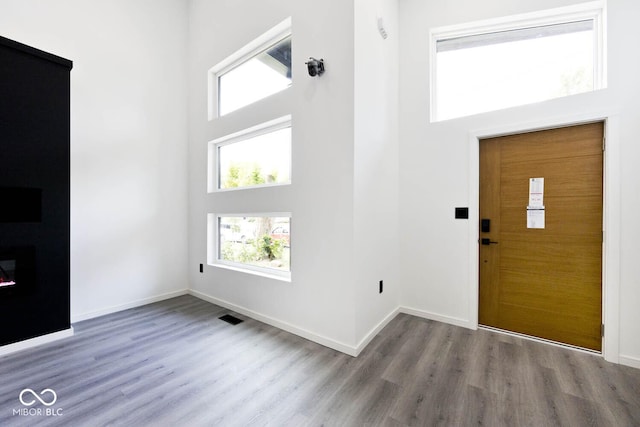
(311, 336)
(34, 342)
(376, 330)
(133, 304)
(633, 362)
(328, 342)
(437, 317)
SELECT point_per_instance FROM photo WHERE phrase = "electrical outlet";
(381, 283)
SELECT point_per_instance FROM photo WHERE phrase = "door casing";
(611, 217)
(544, 283)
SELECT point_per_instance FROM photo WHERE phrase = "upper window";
(527, 59)
(256, 71)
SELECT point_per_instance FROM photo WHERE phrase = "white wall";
(436, 256)
(624, 69)
(319, 300)
(128, 142)
(355, 171)
(376, 204)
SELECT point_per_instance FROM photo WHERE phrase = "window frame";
(213, 242)
(214, 171)
(595, 11)
(270, 38)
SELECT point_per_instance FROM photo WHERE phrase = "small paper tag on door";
(535, 218)
(535, 209)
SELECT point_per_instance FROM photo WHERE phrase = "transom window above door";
(488, 66)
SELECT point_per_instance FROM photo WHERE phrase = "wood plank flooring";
(174, 363)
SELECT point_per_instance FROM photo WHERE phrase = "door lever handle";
(487, 242)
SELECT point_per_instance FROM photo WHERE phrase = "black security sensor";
(315, 66)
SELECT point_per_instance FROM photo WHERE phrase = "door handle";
(487, 242)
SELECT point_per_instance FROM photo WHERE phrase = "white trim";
(611, 216)
(577, 12)
(35, 342)
(251, 49)
(249, 269)
(595, 10)
(364, 342)
(456, 321)
(252, 187)
(253, 131)
(133, 304)
(433, 73)
(312, 336)
(634, 362)
(600, 54)
(255, 214)
(611, 242)
(474, 225)
(213, 161)
(212, 238)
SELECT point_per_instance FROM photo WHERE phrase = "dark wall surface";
(34, 190)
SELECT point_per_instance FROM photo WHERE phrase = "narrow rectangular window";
(484, 68)
(256, 243)
(266, 73)
(259, 156)
(260, 69)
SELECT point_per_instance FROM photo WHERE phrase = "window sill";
(251, 187)
(284, 277)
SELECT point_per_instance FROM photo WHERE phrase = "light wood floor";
(175, 364)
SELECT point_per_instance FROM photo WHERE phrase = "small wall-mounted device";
(381, 30)
(462, 213)
(315, 66)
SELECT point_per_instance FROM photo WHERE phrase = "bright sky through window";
(267, 73)
(486, 76)
(263, 159)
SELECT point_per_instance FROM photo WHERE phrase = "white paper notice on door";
(535, 218)
(536, 193)
(535, 209)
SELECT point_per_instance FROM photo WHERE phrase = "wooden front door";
(541, 241)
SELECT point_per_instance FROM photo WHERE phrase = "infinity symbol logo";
(32, 401)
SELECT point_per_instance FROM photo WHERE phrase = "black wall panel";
(34, 191)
